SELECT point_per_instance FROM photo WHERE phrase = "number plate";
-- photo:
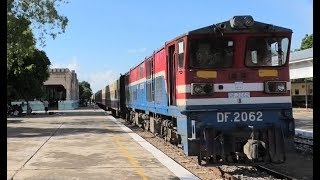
(239, 95)
(239, 116)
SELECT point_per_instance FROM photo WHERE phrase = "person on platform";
(46, 106)
(29, 109)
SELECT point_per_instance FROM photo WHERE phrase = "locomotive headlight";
(208, 88)
(248, 21)
(281, 87)
(197, 89)
(201, 88)
(275, 87)
(237, 22)
(241, 21)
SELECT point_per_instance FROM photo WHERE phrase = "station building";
(301, 75)
(62, 84)
(61, 90)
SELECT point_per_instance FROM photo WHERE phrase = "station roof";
(301, 65)
(301, 55)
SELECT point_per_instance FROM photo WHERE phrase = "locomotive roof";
(256, 27)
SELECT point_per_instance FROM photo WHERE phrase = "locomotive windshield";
(211, 53)
(266, 51)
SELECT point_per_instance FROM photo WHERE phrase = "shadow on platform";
(27, 132)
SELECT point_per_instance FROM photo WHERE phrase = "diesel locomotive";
(220, 92)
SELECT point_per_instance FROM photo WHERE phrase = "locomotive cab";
(233, 91)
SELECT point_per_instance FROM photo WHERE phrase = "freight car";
(221, 92)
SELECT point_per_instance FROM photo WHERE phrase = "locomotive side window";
(180, 54)
(266, 51)
(211, 53)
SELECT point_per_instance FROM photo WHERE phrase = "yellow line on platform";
(134, 163)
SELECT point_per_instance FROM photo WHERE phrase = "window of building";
(296, 91)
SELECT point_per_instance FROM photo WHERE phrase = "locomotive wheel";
(201, 155)
(207, 158)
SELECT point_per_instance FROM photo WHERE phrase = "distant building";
(301, 75)
(301, 64)
(62, 85)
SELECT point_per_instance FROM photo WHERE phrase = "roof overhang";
(301, 60)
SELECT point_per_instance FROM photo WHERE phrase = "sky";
(105, 38)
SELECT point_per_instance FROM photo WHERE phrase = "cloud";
(98, 80)
(71, 65)
(134, 51)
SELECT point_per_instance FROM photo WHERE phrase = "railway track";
(303, 140)
(274, 173)
(230, 172)
(304, 145)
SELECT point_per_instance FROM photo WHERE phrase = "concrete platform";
(303, 122)
(83, 144)
(303, 119)
(304, 133)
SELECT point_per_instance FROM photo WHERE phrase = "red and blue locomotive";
(221, 92)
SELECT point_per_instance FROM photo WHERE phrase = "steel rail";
(274, 173)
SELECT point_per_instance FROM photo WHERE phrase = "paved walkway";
(83, 144)
(87, 144)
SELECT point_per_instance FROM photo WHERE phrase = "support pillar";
(306, 85)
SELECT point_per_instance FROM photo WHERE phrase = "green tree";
(42, 14)
(20, 42)
(85, 91)
(307, 42)
(28, 84)
(22, 17)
